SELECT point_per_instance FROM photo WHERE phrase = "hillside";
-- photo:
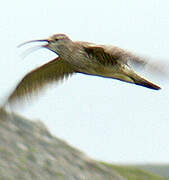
(28, 151)
(160, 169)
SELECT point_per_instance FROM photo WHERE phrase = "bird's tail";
(143, 82)
(137, 79)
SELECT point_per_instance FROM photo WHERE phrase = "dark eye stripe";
(53, 40)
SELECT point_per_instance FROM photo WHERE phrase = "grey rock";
(28, 152)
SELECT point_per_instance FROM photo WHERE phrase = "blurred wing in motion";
(34, 81)
(119, 61)
(138, 62)
(158, 67)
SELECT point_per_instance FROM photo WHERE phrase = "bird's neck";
(67, 52)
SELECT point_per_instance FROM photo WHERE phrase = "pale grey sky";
(107, 119)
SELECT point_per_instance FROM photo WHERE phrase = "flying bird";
(79, 57)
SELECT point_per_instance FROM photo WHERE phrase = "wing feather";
(114, 55)
(37, 79)
(111, 54)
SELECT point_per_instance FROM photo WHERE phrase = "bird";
(79, 57)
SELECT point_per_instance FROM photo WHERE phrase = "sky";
(107, 119)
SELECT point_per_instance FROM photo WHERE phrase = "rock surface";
(28, 151)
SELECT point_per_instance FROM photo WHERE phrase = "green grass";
(160, 169)
(133, 173)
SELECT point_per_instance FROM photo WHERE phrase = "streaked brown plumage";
(80, 57)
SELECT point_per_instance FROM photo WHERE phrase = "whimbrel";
(80, 57)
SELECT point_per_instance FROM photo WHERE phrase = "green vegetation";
(134, 173)
(161, 169)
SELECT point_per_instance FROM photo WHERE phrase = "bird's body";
(80, 57)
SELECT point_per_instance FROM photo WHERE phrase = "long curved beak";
(39, 40)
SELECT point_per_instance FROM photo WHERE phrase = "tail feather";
(143, 82)
(148, 84)
(137, 79)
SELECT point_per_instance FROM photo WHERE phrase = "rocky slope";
(28, 151)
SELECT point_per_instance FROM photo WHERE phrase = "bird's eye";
(56, 39)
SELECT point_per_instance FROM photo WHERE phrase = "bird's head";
(57, 43)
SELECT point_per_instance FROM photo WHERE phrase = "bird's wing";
(114, 55)
(121, 61)
(111, 54)
(34, 81)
